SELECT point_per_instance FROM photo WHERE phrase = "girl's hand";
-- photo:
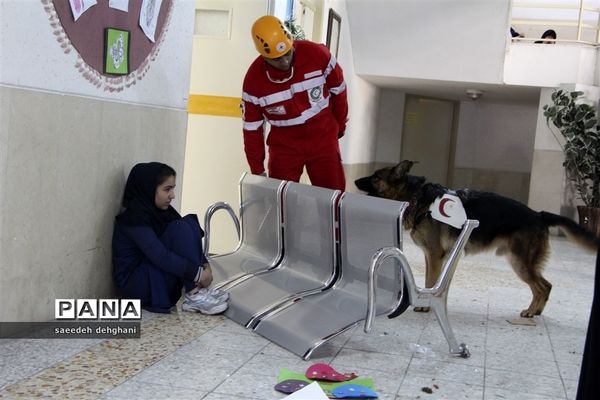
(206, 277)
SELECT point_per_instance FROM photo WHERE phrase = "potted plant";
(295, 29)
(578, 125)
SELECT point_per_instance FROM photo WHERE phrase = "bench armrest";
(435, 297)
(210, 211)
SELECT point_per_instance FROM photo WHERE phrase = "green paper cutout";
(285, 374)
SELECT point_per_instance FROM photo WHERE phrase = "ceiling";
(449, 90)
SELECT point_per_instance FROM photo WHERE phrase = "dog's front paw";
(421, 309)
(527, 314)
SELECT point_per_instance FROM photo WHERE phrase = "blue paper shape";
(352, 391)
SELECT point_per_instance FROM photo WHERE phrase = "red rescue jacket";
(310, 109)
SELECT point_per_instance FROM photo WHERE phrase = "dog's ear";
(400, 170)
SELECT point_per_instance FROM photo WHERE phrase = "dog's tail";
(574, 232)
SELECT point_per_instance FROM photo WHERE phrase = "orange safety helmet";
(271, 38)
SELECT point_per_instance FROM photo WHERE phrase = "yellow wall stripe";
(214, 105)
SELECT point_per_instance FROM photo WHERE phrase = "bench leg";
(438, 304)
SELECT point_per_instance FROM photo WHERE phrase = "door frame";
(453, 132)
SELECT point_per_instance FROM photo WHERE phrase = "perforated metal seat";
(366, 225)
(260, 246)
(309, 264)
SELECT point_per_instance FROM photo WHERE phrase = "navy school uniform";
(156, 252)
(155, 269)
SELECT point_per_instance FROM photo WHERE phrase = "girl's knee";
(184, 237)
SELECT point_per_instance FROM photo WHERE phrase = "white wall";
(490, 136)
(358, 146)
(597, 70)
(430, 39)
(544, 138)
(548, 184)
(66, 148)
(390, 125)
(215, 158)
(550, 65)
(31, 57)
(495, 136)
(219, 65)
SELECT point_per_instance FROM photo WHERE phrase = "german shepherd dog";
(513, 229)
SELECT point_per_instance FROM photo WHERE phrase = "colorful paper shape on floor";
(309, 392)
(290, 386)
(285, 374)
(324, 372)
(351, 391)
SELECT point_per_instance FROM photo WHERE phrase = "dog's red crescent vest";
(307, 111)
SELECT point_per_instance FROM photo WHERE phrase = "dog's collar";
(418, 218)
(409, 209)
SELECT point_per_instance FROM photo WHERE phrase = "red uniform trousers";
(324, 167)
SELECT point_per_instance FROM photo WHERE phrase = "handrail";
(524, 4)
(556, 41)
(579, 22)
(221, 205)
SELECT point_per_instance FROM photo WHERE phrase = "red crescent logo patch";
(441, 207)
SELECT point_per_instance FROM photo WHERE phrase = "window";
(213, 23)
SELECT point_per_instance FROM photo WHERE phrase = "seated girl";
(156, 252)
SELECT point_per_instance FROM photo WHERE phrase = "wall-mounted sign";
(78, 7)
(116, 53)
(122, 5)
(149, 17)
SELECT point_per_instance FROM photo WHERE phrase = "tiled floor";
(191, 356)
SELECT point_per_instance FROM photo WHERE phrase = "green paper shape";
(327, 387)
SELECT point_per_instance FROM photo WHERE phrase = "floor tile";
(355, 359)
(133, 390)
(22, 358)
(569, 371)
(270, 365)
(571, 388)
(522, 362)
(417, 387)
(449, 371)
(522, 382)
(323, 354)
(185, 355)
(218, 396)
(195, 369)
(252, 343)
(249, 385)
(499, 394)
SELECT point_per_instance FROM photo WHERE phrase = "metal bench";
(366, 224)
(308, 297)
(309, 263)
(435, 297)
(260, 245)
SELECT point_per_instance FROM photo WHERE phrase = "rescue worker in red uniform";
(299, 89)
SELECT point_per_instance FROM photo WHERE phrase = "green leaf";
(575, 95)
(578, 124)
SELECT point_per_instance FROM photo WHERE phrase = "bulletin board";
(111, 37)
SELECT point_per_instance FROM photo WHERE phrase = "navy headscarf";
(138, 199)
